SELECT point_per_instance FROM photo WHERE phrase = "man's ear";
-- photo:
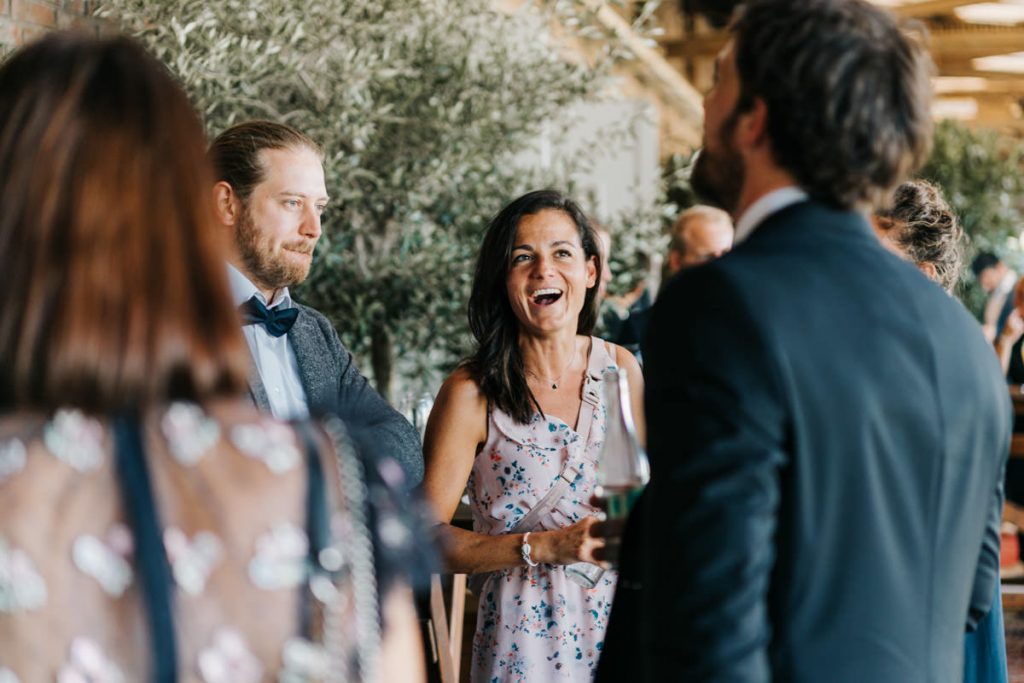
(752, 127)
(675, 261)
(226, 203)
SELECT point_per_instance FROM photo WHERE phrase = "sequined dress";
(231, 490)
(533, 623)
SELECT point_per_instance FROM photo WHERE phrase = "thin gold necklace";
(556, 380)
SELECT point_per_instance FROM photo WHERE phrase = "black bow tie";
(277, 321)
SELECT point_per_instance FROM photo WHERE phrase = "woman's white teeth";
(546, 296)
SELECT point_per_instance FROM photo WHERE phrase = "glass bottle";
(622, 470)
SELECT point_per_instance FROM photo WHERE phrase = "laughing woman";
(520, 415)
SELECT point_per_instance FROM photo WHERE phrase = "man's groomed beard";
(269, 269)
(718, 177)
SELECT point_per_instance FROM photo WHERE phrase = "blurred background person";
(519, 425)
(920, 226)
(701, 233)
(997, 280)
(621, 316)
(153, 524)
(1008, 343)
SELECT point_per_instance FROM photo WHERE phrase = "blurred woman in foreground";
(153, 525)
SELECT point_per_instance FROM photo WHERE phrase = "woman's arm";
(456, 431)
(401, 651)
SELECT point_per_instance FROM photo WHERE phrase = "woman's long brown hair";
(113, 291)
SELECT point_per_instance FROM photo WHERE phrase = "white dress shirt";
(774, 201)
(273, 356)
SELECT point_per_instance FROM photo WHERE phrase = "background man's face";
(990, 277)
(719, 171)
(705, 240)
(280, 222)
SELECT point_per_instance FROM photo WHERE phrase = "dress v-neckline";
(587, 378)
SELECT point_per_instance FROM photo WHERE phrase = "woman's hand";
(1013, 328)
(567, 545)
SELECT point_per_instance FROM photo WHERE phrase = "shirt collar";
(242, 289)
(774, 201)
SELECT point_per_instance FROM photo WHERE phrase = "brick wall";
(22, 21)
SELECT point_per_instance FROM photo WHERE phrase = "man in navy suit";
(827, 428)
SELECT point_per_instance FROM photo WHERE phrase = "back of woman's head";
(921, 223)
(115, 290)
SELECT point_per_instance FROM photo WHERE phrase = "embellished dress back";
(230, 486)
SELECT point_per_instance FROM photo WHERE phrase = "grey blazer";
(333, 383)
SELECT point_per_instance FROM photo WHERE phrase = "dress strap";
(598, 361)
(317, 521)
(155, 570)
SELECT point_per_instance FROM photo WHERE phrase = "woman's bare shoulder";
(462, 390)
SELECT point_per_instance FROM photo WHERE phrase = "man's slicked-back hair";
(235, 153)
(847, 90)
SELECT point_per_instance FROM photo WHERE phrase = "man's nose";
(311, 224)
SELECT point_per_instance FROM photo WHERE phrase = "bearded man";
(827, 428)
(270, 194)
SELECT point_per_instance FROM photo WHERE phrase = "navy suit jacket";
(333, 383)
(827, 432)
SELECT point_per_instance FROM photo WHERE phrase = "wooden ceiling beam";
(976, 41)
(946, 44)
(696, 46)
(928, 8)
(990, 88)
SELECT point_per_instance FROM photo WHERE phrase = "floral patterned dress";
(534, 624)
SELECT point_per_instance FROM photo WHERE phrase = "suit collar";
(765, 206)
(306, 341)
(257, 391)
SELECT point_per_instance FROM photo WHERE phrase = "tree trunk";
(382, 360)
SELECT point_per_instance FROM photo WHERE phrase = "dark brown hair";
(847, 90)
(921, 224)
(497, 364)
(235, 153)
(115, 288)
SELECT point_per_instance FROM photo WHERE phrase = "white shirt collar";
(242, 289)
(774, 201)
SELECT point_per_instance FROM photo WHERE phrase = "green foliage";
(982, 175)
(423, 108)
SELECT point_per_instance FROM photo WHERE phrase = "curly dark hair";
(847, 89)
(924, 227)
(497, 364)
